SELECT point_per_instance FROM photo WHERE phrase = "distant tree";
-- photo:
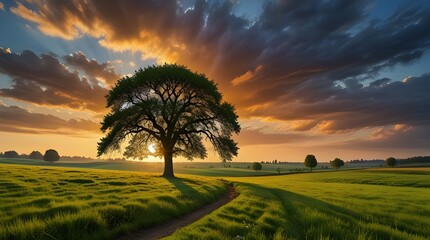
(257, 166)
(276, 161)
(10, 154)
(391, 162)
(167, 111)
(311, 161)
(1, 154)
(36, 155)
(51, 156)
(337, 163)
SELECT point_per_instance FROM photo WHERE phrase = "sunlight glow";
(151, 148)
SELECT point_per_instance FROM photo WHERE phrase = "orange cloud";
(303, 125)
(389, 131)
(246, 76)
(45, 25)
(81, 19)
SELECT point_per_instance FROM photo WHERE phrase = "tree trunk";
(168, 165)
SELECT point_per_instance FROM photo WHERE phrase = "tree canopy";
(311, 161)
(51, 155)
(10, 154)
(391, 162)
(167, 111)
(337, 163)
(36, 155)
(257, 166)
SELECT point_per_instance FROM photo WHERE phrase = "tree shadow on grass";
(184, 188)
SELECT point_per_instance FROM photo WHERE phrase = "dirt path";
(169, 227)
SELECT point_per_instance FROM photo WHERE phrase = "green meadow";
(215, 169)
(40, 202)
(354, 204)
(67, 203)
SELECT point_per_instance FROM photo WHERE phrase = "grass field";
(216, 169)
(57, 203)
(360, 204)
(68, 203)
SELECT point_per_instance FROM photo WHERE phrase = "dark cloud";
(92, 68)
(317, 61)
(19, 120)
(45, 80)
(344, 109)
(380, 82)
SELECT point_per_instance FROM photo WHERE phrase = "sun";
(151, 148)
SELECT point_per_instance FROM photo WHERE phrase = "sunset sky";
(333, 78)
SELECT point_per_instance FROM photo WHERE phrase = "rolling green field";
(67, 203)
(57, 203)
(216, 169)
(361, 204)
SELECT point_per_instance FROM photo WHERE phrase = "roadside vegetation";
(71, 203)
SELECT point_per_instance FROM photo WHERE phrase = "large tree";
(167, 111)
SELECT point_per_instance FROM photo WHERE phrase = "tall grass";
(61, 203)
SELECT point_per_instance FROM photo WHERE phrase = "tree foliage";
(311, 161)
(51, 155)
(391, 162)
(172, 109)
(337, 163)
(36, 155)
(10, 154)
(257, 166)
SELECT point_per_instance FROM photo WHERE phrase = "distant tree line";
(89, 159)
(419, 159)
(10, 154)
(38, 155)
(50, 155)
(358, 161)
